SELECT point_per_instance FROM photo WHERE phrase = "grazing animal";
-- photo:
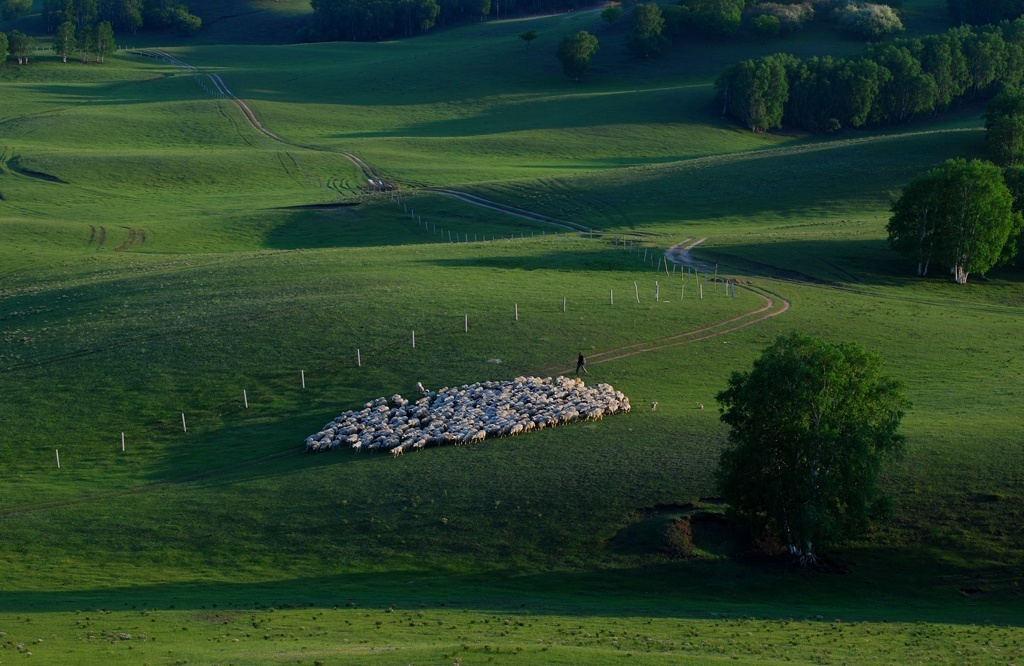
(654, 405)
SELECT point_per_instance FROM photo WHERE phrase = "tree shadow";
(684, 590)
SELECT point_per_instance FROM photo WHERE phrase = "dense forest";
(889, 83)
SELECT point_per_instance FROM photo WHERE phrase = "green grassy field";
(159, 256)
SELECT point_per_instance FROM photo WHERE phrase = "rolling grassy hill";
(159, 257)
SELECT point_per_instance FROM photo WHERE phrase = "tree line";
(966, 216)
(889, 83)
(122, 15)
(93, 41)
(367, 20)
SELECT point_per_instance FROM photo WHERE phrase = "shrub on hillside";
(161, 14)
(679, 538)
(868, 21)
(791, 17)
(766, 25)
(710, 18)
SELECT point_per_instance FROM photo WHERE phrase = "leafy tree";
(1004, 138)
(916, 219)
(21, 46)
(858, 84)
(809, 428)
(960, 213)
(868, 21)
(64, 40)
(528, 36)
(1014, 178)
(645, 38)
(984, 53)
(14, 9)
(185, 22)
(907, 91)
(83, 12)
(767, 25)
(85, 38)
(103, 43)
(60, 11)
(942, 57)
(3, 47)
(755, 92)
(1004, 127)
(575, 53)
(713, 18)
(611, 14)
(123, 15)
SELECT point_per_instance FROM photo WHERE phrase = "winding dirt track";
(679, 253)
(772, 306)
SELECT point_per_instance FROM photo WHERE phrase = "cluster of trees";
(575, 52)
(809, 428)
(367, 20)
(123, 15)
(95, 41)
(889, 83)
(959, 216)
(1004, 128)
(17, 44)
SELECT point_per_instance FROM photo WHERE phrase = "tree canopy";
(959, 215)
(1004, 127)
(64, 40)
(645, 38)
(575, 53)
(891, 82)
(528, 36)
(124, 15)
(809, 428)
(21, 46)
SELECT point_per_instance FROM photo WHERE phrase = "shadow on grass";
(850, 262)
(599, 259)
(896, 592)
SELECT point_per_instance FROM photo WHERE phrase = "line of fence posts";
(730, 288)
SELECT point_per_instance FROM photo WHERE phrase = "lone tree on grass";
(528, 36)
(575, 53)
(809, 428)
(645, 38)
(959, 215)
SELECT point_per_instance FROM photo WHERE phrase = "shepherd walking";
(581, 364)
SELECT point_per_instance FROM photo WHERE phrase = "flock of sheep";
(467, 414)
